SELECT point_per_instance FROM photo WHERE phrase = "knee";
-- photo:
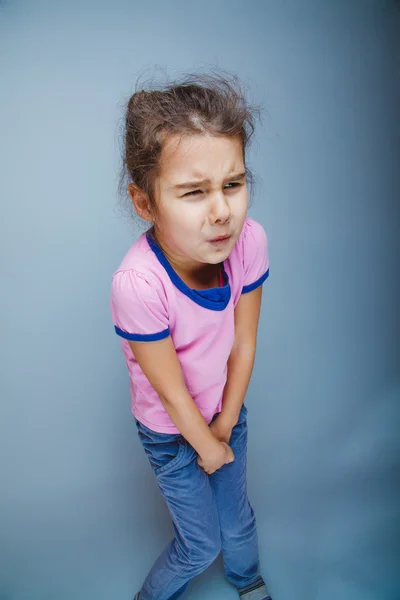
(206, 550)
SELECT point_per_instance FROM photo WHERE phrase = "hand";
(221, 428)
(222, 456)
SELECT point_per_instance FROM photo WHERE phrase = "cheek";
(182, 223)
(239, 207)
(189, 217)
(240, 213)
(244, 199)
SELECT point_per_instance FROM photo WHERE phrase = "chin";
(216, 257)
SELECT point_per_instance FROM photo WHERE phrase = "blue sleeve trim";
(137, 337)
(256, 284)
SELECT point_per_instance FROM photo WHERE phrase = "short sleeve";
(255, 255)
(138, 308)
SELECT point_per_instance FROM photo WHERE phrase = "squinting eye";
(192, 193)
(234, 184)
(195, 192)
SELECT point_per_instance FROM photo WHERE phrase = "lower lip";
(219, 242)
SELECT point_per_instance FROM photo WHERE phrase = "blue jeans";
(209, 513)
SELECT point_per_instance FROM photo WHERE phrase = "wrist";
(228, 418)
(210, 449)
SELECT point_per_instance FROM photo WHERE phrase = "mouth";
(220, 239)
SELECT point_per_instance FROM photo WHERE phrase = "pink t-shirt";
(149, 301)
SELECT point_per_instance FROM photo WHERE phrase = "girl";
(185, 302)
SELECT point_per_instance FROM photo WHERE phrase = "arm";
(139, 310)
(160, 364)
(241, 359)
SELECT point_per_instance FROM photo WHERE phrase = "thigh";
(185, 487)
(229, 482)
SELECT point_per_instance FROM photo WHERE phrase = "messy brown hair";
(196, 103)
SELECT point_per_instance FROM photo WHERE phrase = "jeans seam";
(173, 462)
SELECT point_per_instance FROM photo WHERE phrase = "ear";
(141, 202)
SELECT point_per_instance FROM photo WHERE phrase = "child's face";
(190, 217)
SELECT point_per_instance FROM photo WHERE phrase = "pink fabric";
(145, 300)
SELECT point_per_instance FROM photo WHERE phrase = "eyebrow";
(191, 184)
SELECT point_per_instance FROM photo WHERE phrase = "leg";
(190, 499)
(237, 520)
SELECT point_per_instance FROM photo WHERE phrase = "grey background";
(80, 514)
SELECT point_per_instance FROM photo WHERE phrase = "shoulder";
(252, 242)
(250, 255)
(139, 303)
(139, 272)
(253, 234)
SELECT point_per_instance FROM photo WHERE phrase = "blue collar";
(213, 298)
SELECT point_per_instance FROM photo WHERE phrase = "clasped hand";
(222, 431)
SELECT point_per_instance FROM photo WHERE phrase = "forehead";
(200, 156)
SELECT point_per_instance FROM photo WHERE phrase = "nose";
(220, 210)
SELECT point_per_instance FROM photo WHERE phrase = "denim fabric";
(209, 513)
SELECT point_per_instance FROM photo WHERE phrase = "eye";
(235, 184)
(194, 193)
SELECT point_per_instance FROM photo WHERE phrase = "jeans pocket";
(164, 451)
